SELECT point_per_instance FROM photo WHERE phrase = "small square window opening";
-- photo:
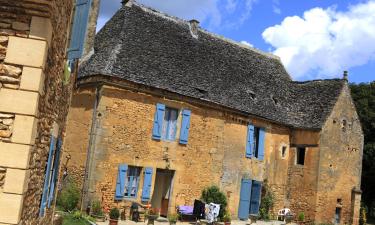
(283, 152)
(300, 157)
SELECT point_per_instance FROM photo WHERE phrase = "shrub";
(214, 195)
(362, 216)
(69, 197)
(172, 218)
(227, 217)
(267, 202)
(77, 215)
(301, 216)
(114, 214)
(96, 208)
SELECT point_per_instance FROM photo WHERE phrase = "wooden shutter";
(147, 182)
(78, 33)
(262, 135)
(47, 177)
(185, 127)
(256, 192)
(55, 173)
(120, 184)
(250, 141)
(243, 210)
(158, 121)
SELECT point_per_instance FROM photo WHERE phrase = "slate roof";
(147, 47)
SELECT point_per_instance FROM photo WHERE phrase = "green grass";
(70, 220)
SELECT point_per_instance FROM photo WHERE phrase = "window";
(338, 215)
(300, 157)
(283, 152)
(256, 142)
(170, 124)
(131, 182)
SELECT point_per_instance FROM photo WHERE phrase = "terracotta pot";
(227, 223)
(113, 222)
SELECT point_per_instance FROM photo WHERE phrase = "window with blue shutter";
(250, 141)
(158, 121)
(120, 183)
(169, 124)
(185, 126)
(132, 182)
(55, 172)
(147, 182)
(255, 142)
(78, 33)
(245, 195)
(261, 140)
(47, 177)
(256, 192)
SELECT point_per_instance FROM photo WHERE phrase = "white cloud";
(246, 43)
(324, 42)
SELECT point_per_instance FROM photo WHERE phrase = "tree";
(364, 98)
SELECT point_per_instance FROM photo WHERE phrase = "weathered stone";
(6, 79)
(3, 127)
(9, 70)
(5, 133)
(3, 39)
(6, 116)
(20, 26)
(11, 86)
(7, 32)
(4, 25)
(7, 121)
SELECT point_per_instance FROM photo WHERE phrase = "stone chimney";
(127, 3)
(345, 77)
(194, 25)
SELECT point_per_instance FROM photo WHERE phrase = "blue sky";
(315, 39)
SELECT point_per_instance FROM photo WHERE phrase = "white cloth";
(213, 212)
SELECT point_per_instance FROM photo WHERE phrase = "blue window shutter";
(262, 135)
(256, 193)
(147, 182)
(158, 121)
(47, 177)
(120, 184)
(185, 127)
(243, 210)
(250, 141)
(55, 172)
(78, 33)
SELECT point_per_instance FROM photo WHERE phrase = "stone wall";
(340, 163)
(33, 41)
(215, 153)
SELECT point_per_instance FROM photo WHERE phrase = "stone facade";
(117, 126)
(33, 43)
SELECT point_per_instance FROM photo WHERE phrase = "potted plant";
(301, 217)
(97, 211)
(227, 219)
(172, 218)
(152, 215)
(114, 214)
(288, 218)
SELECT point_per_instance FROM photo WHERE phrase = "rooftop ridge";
(214, 35)
(317, 80)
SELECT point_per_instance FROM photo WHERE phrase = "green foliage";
(77, 215)
(267, 202)
(364, 98)
(227, 217)
(70, 219)
(213, 194)
(172, 218)
(69, 197)
(114, 214)
(362, 216)
(301, 216)
(96, 208)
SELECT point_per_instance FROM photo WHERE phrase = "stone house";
(164, 109)
(35, 92)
